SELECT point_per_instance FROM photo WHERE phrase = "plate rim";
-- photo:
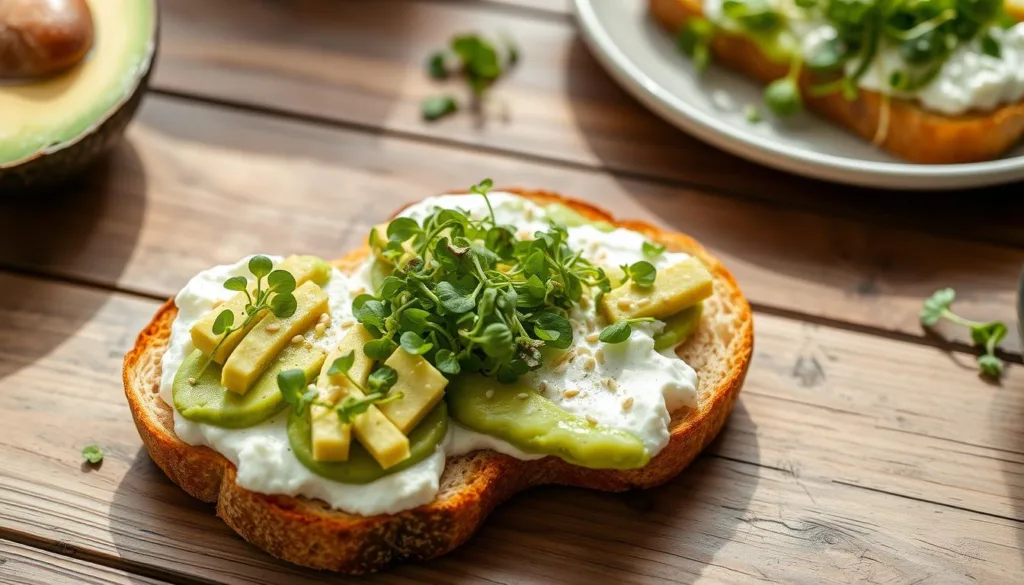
(750, 145)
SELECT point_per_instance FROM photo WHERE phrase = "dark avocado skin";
(52, 169)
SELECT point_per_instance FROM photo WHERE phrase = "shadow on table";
(582, 536)
(637, 141)
(83, 231)
(1006, 408)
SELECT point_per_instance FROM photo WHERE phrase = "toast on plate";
(899, 126)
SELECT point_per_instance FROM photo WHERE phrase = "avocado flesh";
(569, 217)
(361, 467)
(210, 403)
(41, 116)
(537, 425)
(678, 327)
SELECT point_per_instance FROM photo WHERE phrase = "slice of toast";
(307, 532)
(903, 128)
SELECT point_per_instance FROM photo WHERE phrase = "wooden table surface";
(862, 450)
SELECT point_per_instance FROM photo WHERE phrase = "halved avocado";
(53, 127)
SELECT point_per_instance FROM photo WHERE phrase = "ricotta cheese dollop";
(629, 385)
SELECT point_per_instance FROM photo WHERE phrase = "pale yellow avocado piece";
(421, 385)
(262, 344)
(379, 436)
(379, 240)
(675, 288)
(302, 268)
(330, 437)
(37, 115)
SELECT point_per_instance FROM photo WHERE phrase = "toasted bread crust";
(307, 533)
(913, 133)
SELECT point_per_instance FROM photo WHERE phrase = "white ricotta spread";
(969, 79)
(657, 383)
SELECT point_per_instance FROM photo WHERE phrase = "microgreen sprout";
(475, 59)
(620, 331)
(470, 295)
(652, 250)
(300, 395)
(275, 297)
(986, 335)
(93, 454)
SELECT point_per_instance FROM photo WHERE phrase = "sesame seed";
(543, 386)
(627, 403)
(593, 337)
(192, 381)
(273, 328)
(489, 394)
(591, 420)
(583, 351)
(561, 369)
(599, 356)
(320, 329)
(643, 302)
(325, 317)
(611, 384)
(308, 345)
(570, 393)
(297, 339)
(522, 396)
(625, 304)
(567, 356)
(347, 323)
(590, 364)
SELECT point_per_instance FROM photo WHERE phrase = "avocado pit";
(39, 38)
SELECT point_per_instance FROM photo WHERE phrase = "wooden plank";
(776, 504)
(30, 566)
(198, 186)
(362, 63)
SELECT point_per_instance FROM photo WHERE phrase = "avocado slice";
(208, 402)
(678, 327)
(361, 467)
(536, 425)
(55, 126)
(569, 217)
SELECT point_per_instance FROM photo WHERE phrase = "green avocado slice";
(678, 327)
(569, 217)
(361, 467)
(208, 402)
(537, 425)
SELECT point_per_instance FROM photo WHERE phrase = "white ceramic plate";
(644, 59)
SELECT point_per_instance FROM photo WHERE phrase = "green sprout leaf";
(380, 349)
(281, 281)
(553, 328)
(643, 273)
(447, 363)
(382, 379)
(283, 305)
(617, 332)
(342, 364)
(93, 454)
(652, 250)
(236, 283)
(225, 319)
(438, 106)
(436, 67)
(936, 305)
(990, 365)
(260, 266)
(694, 41)
(782, 97)
(414, 344)
(455, 299)
(294, 389)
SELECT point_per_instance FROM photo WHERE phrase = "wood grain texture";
(775, 502)
(23, 565)
(197, 186)
(362, 63)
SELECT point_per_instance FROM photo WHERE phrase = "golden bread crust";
(913, 133)
(308, 533)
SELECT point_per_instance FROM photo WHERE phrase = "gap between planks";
(65, 549)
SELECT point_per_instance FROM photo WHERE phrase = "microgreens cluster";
(275, 297)
(470, 296)
(923, 32)
(986, 335)
(93, 454)
(476, 60)
(300, 395)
